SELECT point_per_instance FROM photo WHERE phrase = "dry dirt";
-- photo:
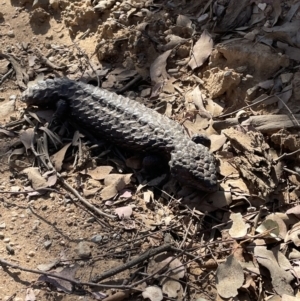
(224, 68)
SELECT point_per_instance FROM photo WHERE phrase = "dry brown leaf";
(281, 278)
(276, 10)
(108, 192)
(124, 212)
(229, 277)
(201, 50)
(215, 109)
(154, 293)
(118, 180)
(100, 172)
(158, 71)
(195, 96)
(269, 228)
(30, 295)
(60, 284)
(217, 141)
(294, 235)
(90, 192)
(282, 229)
(173, 289)
(58, 158)
(183, 21)
(294, 210)
(27, 138)
(239, 228)
(37, 181)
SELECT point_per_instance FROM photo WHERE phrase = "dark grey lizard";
(129, 124)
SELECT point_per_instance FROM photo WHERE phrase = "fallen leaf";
(100, 172)
(276, 10)
(229, 277)
(173, 289)
(201, 50)
(294, 235)
(123, 212)
(30, 295)
(239, 228)
(154, 293)
(58, 158)
(269, 228)
(158, 71)
(60, 284)
(44, 267)
(281, 278)
(27, 138)
(37, 181)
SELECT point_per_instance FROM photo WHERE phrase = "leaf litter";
(227, 69)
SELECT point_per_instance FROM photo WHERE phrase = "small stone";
(2, 226)
(227, 73)
(31, 253)
(12, 97)
(47, 244)
(286, 77)
(6, 240)
(202, 19)
(83, 250)
(11, 34)
(241, 69)
(97, 238)
(146, 92)
(262, 6)
(91, 220)
(2, 235)
(10, 249)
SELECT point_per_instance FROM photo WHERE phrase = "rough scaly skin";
(127, 123)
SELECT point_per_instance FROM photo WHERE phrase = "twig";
(83, 200)
(36, 190)
(187, 230)
(133, 262)
(286, 155)
(131, 83)
(45, 61)
(288, 108)
(5, 263)
(252, 104)
(6, 75)
(291, 171)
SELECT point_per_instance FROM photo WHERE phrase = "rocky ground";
(224, 68)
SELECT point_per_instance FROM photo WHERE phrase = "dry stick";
(6, 75)
(291, 171)
(5, 263)
(133, 262)
(83, 200)
(288, 108)
(252, 104)
(45, 61)
(286, 155)
(187, 230)
(131, 83)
